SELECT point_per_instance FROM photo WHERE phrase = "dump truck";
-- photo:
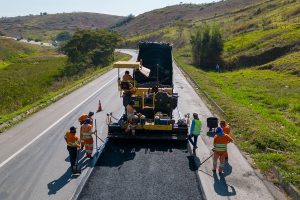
(152, 91)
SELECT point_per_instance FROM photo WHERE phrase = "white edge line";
(55, 123)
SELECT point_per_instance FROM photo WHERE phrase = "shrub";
(89, 48)
(207, 45)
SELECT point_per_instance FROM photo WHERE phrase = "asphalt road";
(34, 160)
(143, 170)
(30, 42)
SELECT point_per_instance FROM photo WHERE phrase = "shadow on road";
(227, 169)
(192, 163)
(123, 151)
(56, 185)
(221, 187)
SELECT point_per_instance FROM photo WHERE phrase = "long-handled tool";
(206, 159)
(98, 137)
(77, 170)
(96, 133)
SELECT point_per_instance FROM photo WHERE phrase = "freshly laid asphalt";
(143, 170)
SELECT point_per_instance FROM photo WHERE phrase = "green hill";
(256, 34)
(45, 27)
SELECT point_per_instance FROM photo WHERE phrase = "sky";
(11, 8)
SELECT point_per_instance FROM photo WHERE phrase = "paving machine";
(152, 93)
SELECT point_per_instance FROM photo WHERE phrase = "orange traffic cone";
(99, 107)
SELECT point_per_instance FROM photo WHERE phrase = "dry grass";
(293, 11)
(45, 27)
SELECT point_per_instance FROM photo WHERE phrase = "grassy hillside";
(164, 17)
(45, 27)
(259, 86)
(255, 35)
(31, 77)
(264, 110)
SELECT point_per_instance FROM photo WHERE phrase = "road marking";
(55, 123)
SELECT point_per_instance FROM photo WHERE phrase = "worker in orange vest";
(226, 129)
(220, 148)
(72, 144)
(83, 117)
(127, 76)
(81, 120)
(86, 133)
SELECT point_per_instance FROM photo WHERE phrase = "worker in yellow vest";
(72, 144)
(86, 134)
(195, 130)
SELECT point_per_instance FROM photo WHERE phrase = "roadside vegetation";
(89, 49)
(263, 109)
(35, 78)
(259, 85)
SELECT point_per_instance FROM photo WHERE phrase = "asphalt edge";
(89, 172)
(203, 195)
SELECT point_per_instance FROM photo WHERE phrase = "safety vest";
(197, 127)
(220, 147)
(72, 140)
(86, 131)
(220, 143)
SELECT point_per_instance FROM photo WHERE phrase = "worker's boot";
(74, 170)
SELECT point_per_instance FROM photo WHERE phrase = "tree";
(207, 45)
(90, 48)
(180, 26)
(63, 36)
(123, 21)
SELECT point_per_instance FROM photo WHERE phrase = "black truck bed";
(132, 169)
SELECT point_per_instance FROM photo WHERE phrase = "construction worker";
(72, 145)
(220, 149)
(226, 129)
(127, 76)
(86, 133)
(83, 117)
(81, 120)
(225, 126)
(195, 130)
(130, 111)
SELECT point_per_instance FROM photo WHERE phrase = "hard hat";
(87, 120)
(91, 113)
(219, 131)
(72, 128)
